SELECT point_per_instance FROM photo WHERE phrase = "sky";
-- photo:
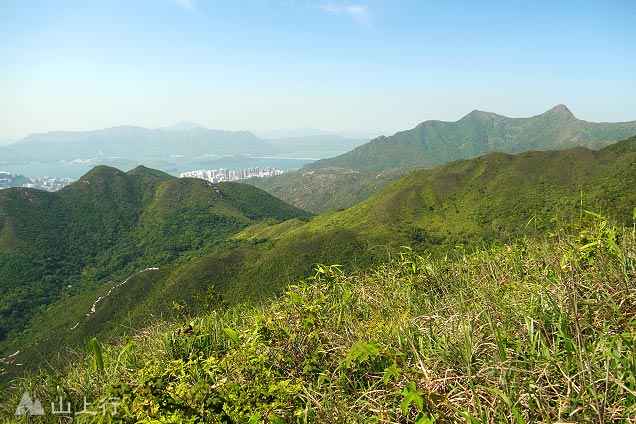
(376, 66)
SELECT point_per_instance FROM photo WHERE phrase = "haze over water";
(75, 170)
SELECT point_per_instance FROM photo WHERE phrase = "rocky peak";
(561, 110)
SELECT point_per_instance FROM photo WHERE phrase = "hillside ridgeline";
(342, 181)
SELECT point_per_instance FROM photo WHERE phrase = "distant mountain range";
(134, 142)
(182, 140)
(432, 143)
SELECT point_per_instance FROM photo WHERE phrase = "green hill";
(327, 189)
(359, 173)
(62, 250)
(493, 199)
(490, 200)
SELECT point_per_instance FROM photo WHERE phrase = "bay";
(173, 165)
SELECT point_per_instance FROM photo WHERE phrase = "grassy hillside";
(62, 250)
(496, 197)
(327, 189)
(534, 331)
(433, 143)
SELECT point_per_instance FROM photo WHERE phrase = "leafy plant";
(95, 348)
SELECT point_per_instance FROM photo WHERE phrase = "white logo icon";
(28, 406)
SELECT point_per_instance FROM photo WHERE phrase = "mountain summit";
(561, 110)
(435, 142)
(478, 115)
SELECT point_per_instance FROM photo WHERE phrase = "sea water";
(173, 166)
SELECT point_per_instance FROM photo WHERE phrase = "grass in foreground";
(531, 332)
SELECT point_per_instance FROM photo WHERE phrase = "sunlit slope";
(492, 199)
(530, 331)
(107, 226)
(340, 182)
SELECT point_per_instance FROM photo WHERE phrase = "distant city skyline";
(365, 66)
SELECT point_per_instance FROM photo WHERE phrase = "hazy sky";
(360, 65)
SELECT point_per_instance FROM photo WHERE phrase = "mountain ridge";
(434, 142)
(133, 142)
(355, 175)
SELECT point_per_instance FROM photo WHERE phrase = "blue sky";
(361, 65)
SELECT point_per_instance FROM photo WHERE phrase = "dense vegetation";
(533, 331)
(68, 247)
(494, 198)
(432, 143)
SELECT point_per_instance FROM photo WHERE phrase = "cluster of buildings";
(213, 175)
(223, 174)
(8, 179)
(48, 183)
